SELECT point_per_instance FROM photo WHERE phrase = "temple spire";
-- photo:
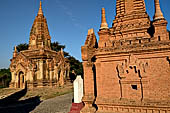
(90, 31)
(39, 35)
(40, 12)
(104, 24)
(15, 52)
(158, 12)
(61, 50)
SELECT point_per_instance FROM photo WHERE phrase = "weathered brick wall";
(152, 79)
(107, 80)
(131, 62)
(146, 83)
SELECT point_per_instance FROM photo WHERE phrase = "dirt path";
(59, 104)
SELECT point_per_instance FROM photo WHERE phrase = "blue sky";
(68, 21)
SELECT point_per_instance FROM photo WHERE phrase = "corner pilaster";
(89, 96)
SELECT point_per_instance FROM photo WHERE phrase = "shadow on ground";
(12, 104)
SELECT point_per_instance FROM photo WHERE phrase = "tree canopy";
(5, 77)
(57, 46)
(4, 72)
(75, 65)
(22, 47)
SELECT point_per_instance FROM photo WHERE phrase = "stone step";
(76, 107)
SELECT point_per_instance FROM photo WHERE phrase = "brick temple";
(128, 69)
(39, 66)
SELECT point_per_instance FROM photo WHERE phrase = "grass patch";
(52, 95)
(49, 92)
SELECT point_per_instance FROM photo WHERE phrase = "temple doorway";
(21, 80)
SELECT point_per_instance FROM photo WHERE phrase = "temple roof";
(39, 35)
(40, 9)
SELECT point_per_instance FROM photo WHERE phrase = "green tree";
(5, 76)
(5, 71)
(75, 65)
(22, 47)
(57, 46)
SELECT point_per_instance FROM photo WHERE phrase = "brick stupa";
(128, 69)
(39, 66)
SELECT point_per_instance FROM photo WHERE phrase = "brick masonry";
(128, 69)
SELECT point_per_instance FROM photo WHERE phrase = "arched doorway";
(21, 80)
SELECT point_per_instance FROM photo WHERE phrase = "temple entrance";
(21, 80)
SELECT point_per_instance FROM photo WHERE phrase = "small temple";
(39, 66)
(127, 70)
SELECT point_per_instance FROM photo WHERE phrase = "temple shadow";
(12, 104)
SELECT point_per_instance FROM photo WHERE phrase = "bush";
(5, 77)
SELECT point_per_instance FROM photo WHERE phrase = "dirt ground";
(44, 93)
(37, 100)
